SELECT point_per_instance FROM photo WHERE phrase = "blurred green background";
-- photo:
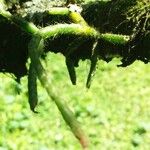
(114, 112)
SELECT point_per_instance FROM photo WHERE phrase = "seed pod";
(71, 70)
(69, 62)
(32, 88)
(94, 59)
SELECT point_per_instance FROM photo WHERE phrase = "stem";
(115, 39)
(67, 29)
(77, 18)
(34, 45)
(28, 27)
(58, 11)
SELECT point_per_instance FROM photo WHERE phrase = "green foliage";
(114, 112)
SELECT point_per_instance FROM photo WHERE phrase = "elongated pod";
(69, 61)
(32, 88)
(71, 70)
(32, 76)
(94, 59)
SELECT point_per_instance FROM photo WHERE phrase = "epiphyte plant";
(100, 46)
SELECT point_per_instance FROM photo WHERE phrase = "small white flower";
(74, 8)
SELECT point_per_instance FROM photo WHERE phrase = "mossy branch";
(78, 27)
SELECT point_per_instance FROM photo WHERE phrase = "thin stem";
(34, 47)
(26, 26)
(61, 11)
(67, 29)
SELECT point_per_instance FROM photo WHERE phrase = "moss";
(106, 16)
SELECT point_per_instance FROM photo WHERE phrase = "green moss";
(115, 39)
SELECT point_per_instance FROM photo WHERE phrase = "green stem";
(67, 29)
(34, 47)
(62, 11)
(115, 39)
(28, 27)
(77, 18)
